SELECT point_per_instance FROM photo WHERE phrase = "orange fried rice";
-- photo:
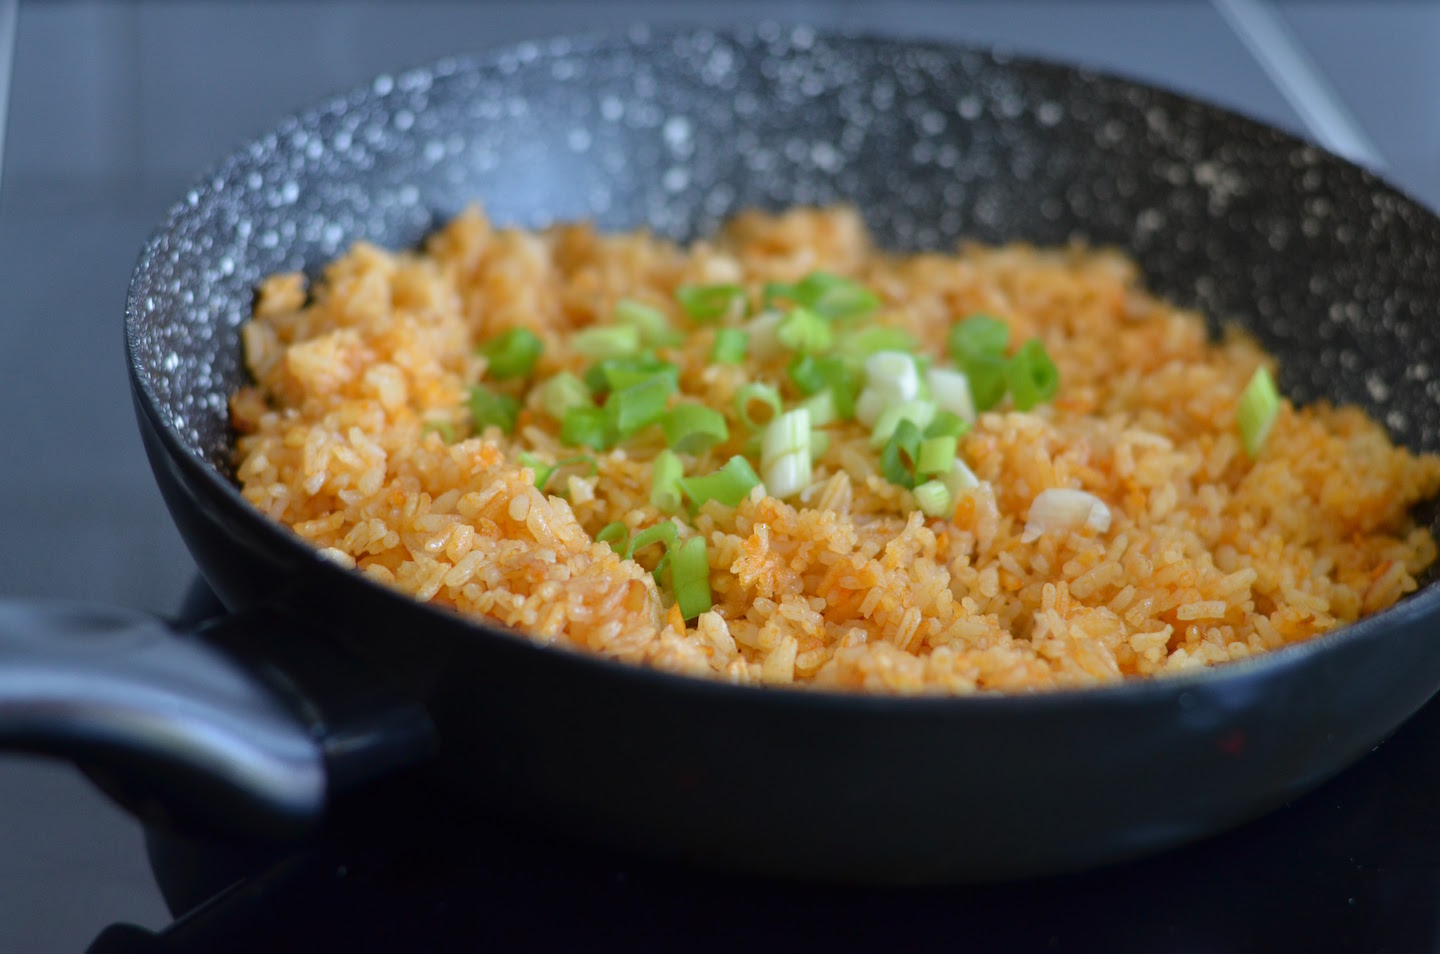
(356, 435)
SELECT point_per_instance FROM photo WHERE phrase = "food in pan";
(783, 456)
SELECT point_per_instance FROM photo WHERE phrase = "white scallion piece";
(1064, 509)
(763, 342)
(890, 377)
(786, 434)
(961, 480)
(921, 413)
(788, 475)
(934, 500)
(950, 390)
(785, 446)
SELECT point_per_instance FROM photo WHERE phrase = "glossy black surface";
(1347, 868)
(1331, 267)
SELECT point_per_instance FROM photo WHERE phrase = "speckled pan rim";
(1424, 602)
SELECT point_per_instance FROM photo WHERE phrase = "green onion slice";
(900, 453)
(614, 374)
(445, 429)
(690, 428)
(630, 409)
(978, 336)
(609, 341)
(822, 409)
(544, 471)
(512, 354)
(705, 303)
(663, 532)
(987, 376)
(561, 393)
(804, 370)
(652, 323)
(690, 577)
(868, 341)
(487, 408)
(1032, 376)
(934, 499)
(616, 534)
(920, 414)
(585, 427)
(665, 474)
(751, 394)
(730, 345)
(729, 485)
(804, 330)
(1259, 407)
(946, 424)
(836, 298)
(936, 456)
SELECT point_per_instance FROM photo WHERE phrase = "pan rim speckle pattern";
(146, 298)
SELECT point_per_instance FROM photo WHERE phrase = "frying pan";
(320, 681)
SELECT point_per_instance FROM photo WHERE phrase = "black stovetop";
(114, 107)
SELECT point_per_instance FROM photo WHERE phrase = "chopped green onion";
(960, 480)
(690, 577)
(512, 354)
(616, 534)
(561, 393)
(950, 390)
(785, 453)
(813, 375)
(871, 340)
(445, 429)
(890, 377)
(986, 374)
(630, 409)
(653, 324)
(729, 485)
(663, 532)
(730, 346)
(777, 291)
(1258, 410)
(819, 444)
(978, 336)
(761, 330)
(610, 341)
(786, 434)
(898, 457)
(934, 500)
(614, 374)
(711, 302)
(937, 456)
(585, 427)
(804, 330)
(945, 424)
(665, 474)
(918, 413)
(544, 471)
(690, 428)
(821, 407)
(488, 407)
(750, 394)
(804, 370)
(835, 298)
(1032, 376)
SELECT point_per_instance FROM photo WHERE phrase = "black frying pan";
(251, 726)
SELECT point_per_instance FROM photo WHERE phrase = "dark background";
(113, 108)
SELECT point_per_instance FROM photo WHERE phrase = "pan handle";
(215, 732)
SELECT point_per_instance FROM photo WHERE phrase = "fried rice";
(357, 436)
